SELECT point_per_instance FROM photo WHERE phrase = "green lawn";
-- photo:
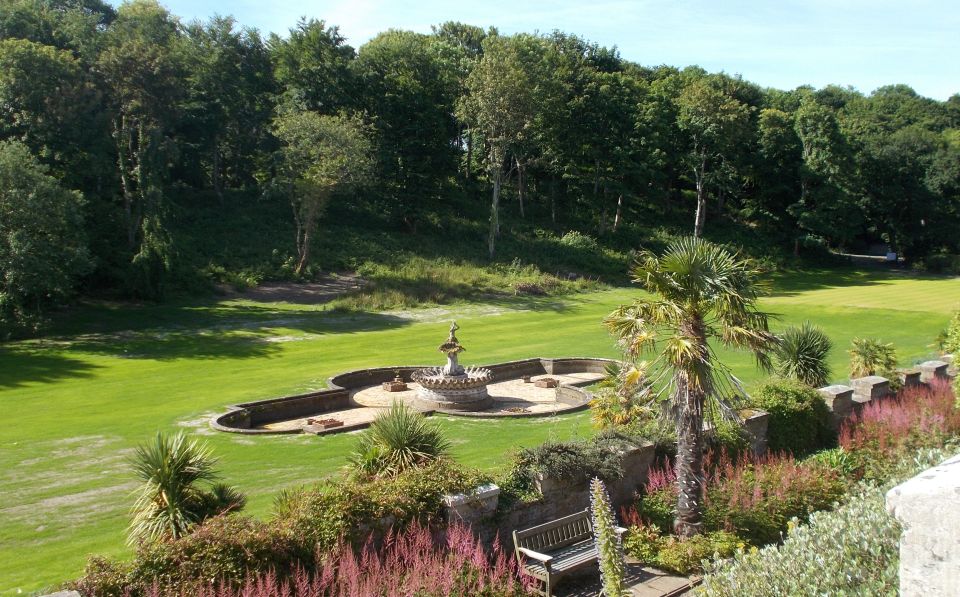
(76, 403)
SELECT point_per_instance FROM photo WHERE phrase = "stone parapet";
(926, 507)
(931, 371)
(872, 387)
(839, 400)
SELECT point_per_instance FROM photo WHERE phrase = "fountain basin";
(464, 392)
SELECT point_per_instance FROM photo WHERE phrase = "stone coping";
(248, 417)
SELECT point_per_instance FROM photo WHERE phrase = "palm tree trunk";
(692, 386)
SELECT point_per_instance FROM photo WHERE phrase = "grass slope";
(76, 403)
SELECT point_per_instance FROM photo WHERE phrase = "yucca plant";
(869, 356)
(801, 354)
(170, 500)
(398, 439)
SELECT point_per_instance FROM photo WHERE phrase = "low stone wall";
(926, 507)
(245, 417)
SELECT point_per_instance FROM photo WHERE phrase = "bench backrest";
(556, 533)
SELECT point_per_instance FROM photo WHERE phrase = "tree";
(715, 123)
(170, 501)
(312, 66)
(698, 292)
(42, 246)
(501, 105)
(410, 86)
(142, 65)
(321, 156)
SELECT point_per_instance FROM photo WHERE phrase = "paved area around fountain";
(512, 396)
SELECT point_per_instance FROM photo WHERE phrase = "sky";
(775, 43)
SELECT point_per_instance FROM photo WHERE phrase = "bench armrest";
(619, 531)
(536, 555)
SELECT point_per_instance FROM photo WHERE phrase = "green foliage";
(952, 342)
(610, 554)
(802, 355)
(799, 418)
(318, 517)
(869, 356)
(578, 240)
(42, 246)
(852, 550)
(838, 460)
(170, 501)
(398, 439)
(681, 556)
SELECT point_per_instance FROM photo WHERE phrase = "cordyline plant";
(398, 439)
(802, 355)
(612, 566)
(698, 291)
(170, 500)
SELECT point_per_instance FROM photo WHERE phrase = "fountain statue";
(453, 387)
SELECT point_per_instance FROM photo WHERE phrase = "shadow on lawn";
(20, 366)
(797, 282)
(218, 331)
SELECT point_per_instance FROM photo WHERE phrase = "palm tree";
(869, 356)
(398, 439)
(170, 500)
(802, 354)
(698, 291)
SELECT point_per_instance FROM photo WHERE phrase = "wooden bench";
(555, 549)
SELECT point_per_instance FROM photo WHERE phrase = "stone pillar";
(933, 370)
(872, 387)
(839, 399)
(756, 427)
(926, 507)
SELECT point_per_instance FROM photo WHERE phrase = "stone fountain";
(453, 387)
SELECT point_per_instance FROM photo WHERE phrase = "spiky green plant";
(170, 499)
(802, 353)
(869, 356)
(697, 291)
(609, 550)
(399, 438)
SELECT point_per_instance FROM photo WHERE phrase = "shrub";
(886, 429)
(103, 578)
(398, 439)
(319, 517)
(579, 240)
(687, 556)
(751, 496)
(853, 550)
(799, 418)
(412, 562)
(610, 556)
(802, 355)
(869, 356)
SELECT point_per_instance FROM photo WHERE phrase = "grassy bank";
(111, 375)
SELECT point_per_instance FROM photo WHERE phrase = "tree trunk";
(619, 214)
(469, 154)
(124, 143)
(553, 199)
(520, 190)
(701, 217)
(215, 170)
(692, 387)
(495, 210)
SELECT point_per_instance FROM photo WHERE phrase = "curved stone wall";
(248, 416)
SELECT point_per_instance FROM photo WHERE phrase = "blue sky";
(777, 43)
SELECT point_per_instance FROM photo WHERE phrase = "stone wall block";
(473, 506)
(872, 387)
(756, 424)
(839, 399)
(933, 370)
(635, 465)
(910, 378)
(926, 508)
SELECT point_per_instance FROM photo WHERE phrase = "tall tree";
(312, 66)
(715, 123)
(410, 85)
(143, 67)
(321, 156)
(42, 245)
(698, 292)
(501, 105)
